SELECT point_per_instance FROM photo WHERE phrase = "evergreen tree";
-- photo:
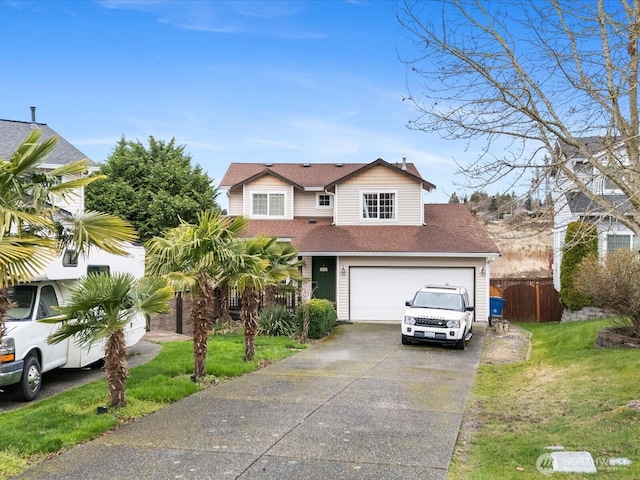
(153, 188)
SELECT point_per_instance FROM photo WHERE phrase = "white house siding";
(562, 218)
(306, 205)
(379, 178)
(268, 184)
(481, 300)
(72, 203)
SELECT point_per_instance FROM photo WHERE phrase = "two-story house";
(13, 133)
(366, 239)
(572, 204)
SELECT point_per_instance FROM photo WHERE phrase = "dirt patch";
(513, 346)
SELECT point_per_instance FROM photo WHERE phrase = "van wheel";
(405, 340)
(31, 380)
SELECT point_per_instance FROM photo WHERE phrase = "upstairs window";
(268, 204)
(379, 205)
(324, 200)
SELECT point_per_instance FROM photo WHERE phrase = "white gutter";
(400, 254)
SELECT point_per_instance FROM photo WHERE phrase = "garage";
(379, 293)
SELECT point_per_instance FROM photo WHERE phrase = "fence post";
(538, 302)
(179, 313)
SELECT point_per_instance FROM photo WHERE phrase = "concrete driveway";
(356, 405)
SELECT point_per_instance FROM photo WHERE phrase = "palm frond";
(105, 231)
(99, 305)
(30, 153)
(22, 258)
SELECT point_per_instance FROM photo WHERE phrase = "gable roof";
(263, 173)
(308, 175)
(450, 230)
(13, 133)
(405, 171)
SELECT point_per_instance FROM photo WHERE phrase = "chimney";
(33, 114)
(404, 163)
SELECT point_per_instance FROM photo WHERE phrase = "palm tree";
(33, 229)
(98, 309)
(283, 256)
(264, 262)
(190, 257)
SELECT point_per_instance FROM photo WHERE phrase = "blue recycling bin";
(495, 307)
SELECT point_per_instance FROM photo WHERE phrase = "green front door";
(324, 278)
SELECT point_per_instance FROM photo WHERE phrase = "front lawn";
(570, 393)
(42, 428)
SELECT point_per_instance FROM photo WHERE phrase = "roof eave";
(402, 254)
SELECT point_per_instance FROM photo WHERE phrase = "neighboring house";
(365, 237)
(571, 205)
(13, 133)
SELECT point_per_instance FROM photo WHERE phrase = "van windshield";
(23, 297)
(439, 301)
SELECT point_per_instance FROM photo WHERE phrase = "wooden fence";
(527, 299)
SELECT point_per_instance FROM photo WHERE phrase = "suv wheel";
(460, 343)
(405, 340)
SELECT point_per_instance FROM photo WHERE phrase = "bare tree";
(534, 82)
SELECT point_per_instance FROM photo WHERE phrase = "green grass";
(569, 393)
(45, 427)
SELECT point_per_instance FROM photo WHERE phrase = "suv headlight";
(453, 324)
(409, 320)
(7, 350)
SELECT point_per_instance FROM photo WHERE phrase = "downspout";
(333, 222)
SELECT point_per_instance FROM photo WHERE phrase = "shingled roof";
(309, 175)
(13, 133)
(579, 203)
(449, 229)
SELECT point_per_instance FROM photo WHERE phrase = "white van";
(24, 351)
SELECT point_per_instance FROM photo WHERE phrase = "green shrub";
(276, 321)
(581, 241)
(614, 284)
(322, 317)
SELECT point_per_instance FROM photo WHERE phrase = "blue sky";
(310, 81)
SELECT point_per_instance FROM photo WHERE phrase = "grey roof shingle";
(579, 203)
(13, 132)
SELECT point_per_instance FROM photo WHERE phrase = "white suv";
(439, 313)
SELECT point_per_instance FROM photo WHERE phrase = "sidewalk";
(356, 405)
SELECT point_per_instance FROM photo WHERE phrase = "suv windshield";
(438, 300)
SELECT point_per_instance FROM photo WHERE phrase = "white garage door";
(379, 293)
